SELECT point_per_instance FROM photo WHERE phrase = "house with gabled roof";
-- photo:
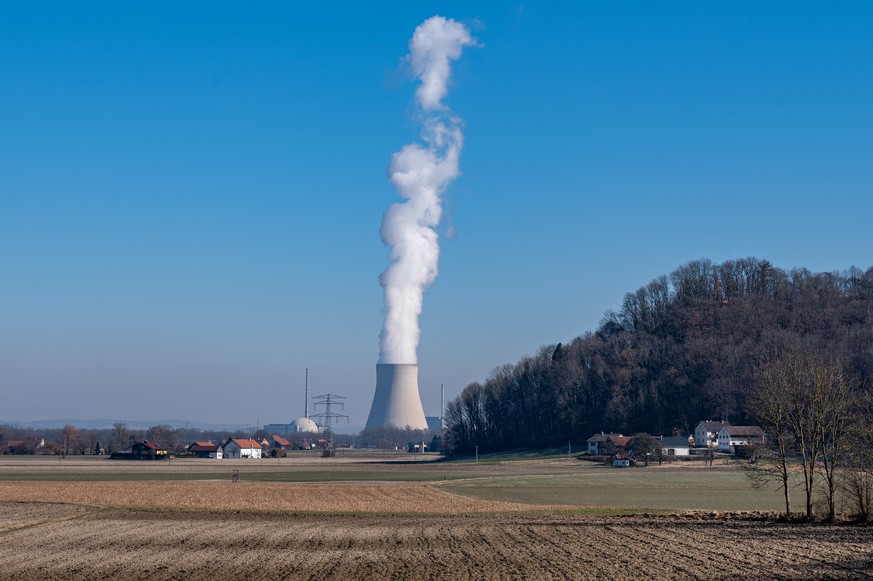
(143, 450)
(280, 443)
(674, 445)
(607, 444)
(27, 446)
(242, 448)
(732, 437)
(706, 434)
(206, 449)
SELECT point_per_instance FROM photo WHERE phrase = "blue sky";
(190, 196)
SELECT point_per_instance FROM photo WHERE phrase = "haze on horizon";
(190, 202)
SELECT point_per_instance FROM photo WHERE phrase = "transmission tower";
(328, 417)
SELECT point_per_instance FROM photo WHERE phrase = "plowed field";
(513, 520)
(324, 498)
(63, 542)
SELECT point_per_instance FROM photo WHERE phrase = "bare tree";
(821, 400)
(857, 482)
(69, 439)
(770, 404)
(87, 443)
(163, 435)
(119, 436)
(803, 399)
(838, 412)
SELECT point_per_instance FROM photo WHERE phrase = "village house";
(279, 443)
(242, 448)
(206, 449)
(607, 444)
(144, 450)
(28, 446)
(731, 437)
(302, 444)
(674, 445)
(706, 434)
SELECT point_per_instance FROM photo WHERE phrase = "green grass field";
(629, 490)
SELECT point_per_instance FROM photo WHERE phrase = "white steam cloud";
(420, 172)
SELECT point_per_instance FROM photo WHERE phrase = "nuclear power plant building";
(397, 402)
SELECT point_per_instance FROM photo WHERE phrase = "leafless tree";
(770, 404)
(803, 398)
(838, 403)
(163, 435)
(69, 439)
(857, 482)
(119, 436)
(87, 441)
(822, 398)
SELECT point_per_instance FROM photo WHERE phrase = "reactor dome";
(303, 425)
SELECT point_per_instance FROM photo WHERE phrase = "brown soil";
(63, 542)
(210, 495)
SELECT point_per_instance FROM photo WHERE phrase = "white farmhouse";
(706, 434)
(242, 448)
(729, 437)
(674, 446)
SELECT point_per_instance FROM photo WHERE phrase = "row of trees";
(820, 425)
(681, 349)
(71, 440)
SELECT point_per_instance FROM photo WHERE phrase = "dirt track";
(179, 544)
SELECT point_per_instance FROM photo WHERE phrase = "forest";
(681, 349)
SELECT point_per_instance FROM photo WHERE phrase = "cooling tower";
(397, 402)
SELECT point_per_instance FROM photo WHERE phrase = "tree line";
(71, 440)
(682, 348)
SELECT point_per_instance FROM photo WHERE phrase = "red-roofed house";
(607, 444)
(144, 450)
(28, 446)
(280, 443)
(242, 448)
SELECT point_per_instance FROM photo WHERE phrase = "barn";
(206, 450)
(144, 450)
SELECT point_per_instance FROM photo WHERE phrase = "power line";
(328, 417)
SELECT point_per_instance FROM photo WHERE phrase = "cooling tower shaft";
(397, 402)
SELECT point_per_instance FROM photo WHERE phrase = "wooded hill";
(681, 349)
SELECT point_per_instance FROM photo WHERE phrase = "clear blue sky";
(190, 194)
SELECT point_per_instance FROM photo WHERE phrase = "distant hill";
(100, 424)
(681, 349)
(103, 424)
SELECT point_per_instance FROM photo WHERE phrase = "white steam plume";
(420, 172)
